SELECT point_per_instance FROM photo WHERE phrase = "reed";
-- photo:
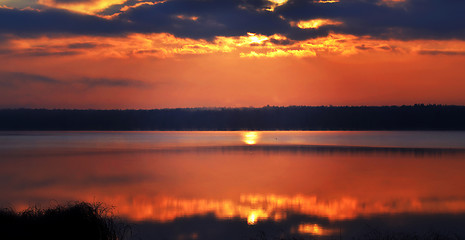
(77, 220)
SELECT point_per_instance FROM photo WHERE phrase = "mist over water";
(246, 185)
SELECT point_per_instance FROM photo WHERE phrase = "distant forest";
(415, 117)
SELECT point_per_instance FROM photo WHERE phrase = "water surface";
(245, 185)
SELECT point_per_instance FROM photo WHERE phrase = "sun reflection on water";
(309, 228)
(255, 214)
(252, 218)
(250, 138)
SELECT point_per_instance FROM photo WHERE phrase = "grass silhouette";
(94, 221)
(78, 220)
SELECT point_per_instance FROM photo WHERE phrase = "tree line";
(412, 117)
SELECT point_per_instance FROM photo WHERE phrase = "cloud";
(81, 6)
(85, 45)
(207, 19)
(106, 82)
(16, 79)
(363, 47)
(413, 19)
(29, 22)
(442, 52)
(45, 53)
(11, 79)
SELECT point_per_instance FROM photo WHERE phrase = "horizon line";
(224, 107)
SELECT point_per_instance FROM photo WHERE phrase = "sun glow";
(250, 138)
(253, 38)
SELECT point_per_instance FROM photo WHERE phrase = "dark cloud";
(215, 18)
(43, 51)
(413, 19)
(439, 52)
(46, 53)
(15, 79)
(55, 21)
(281, 41)
(11, 79)
(85, 45)
(363, 47)
(387, 48)
(107, 82)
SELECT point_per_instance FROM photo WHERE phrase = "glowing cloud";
(326, 1)
(184, 17)
(88, 7)
(125, 8)
(275, 4)
(315, 23)
(391, 3)
(253, 38)
(163, 45)
(5, 7)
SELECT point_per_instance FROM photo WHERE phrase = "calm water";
(246, 185)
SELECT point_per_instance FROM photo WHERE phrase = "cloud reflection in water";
(301, 189)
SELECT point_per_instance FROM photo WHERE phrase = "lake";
(247, 185)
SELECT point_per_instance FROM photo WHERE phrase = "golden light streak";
(391, 3)
(326, 1)
(128, 7)
(278, 2)
(315, 23)
(183, 17)
(250, 138)
(5, 7)
(88, 7)
(281, 53)
(125, 8)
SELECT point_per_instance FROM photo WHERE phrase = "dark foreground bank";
(73, 221)
(416, 117)
(84, 221)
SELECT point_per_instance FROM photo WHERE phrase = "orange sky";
(162, 70)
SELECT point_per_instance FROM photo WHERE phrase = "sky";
(145, 54)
